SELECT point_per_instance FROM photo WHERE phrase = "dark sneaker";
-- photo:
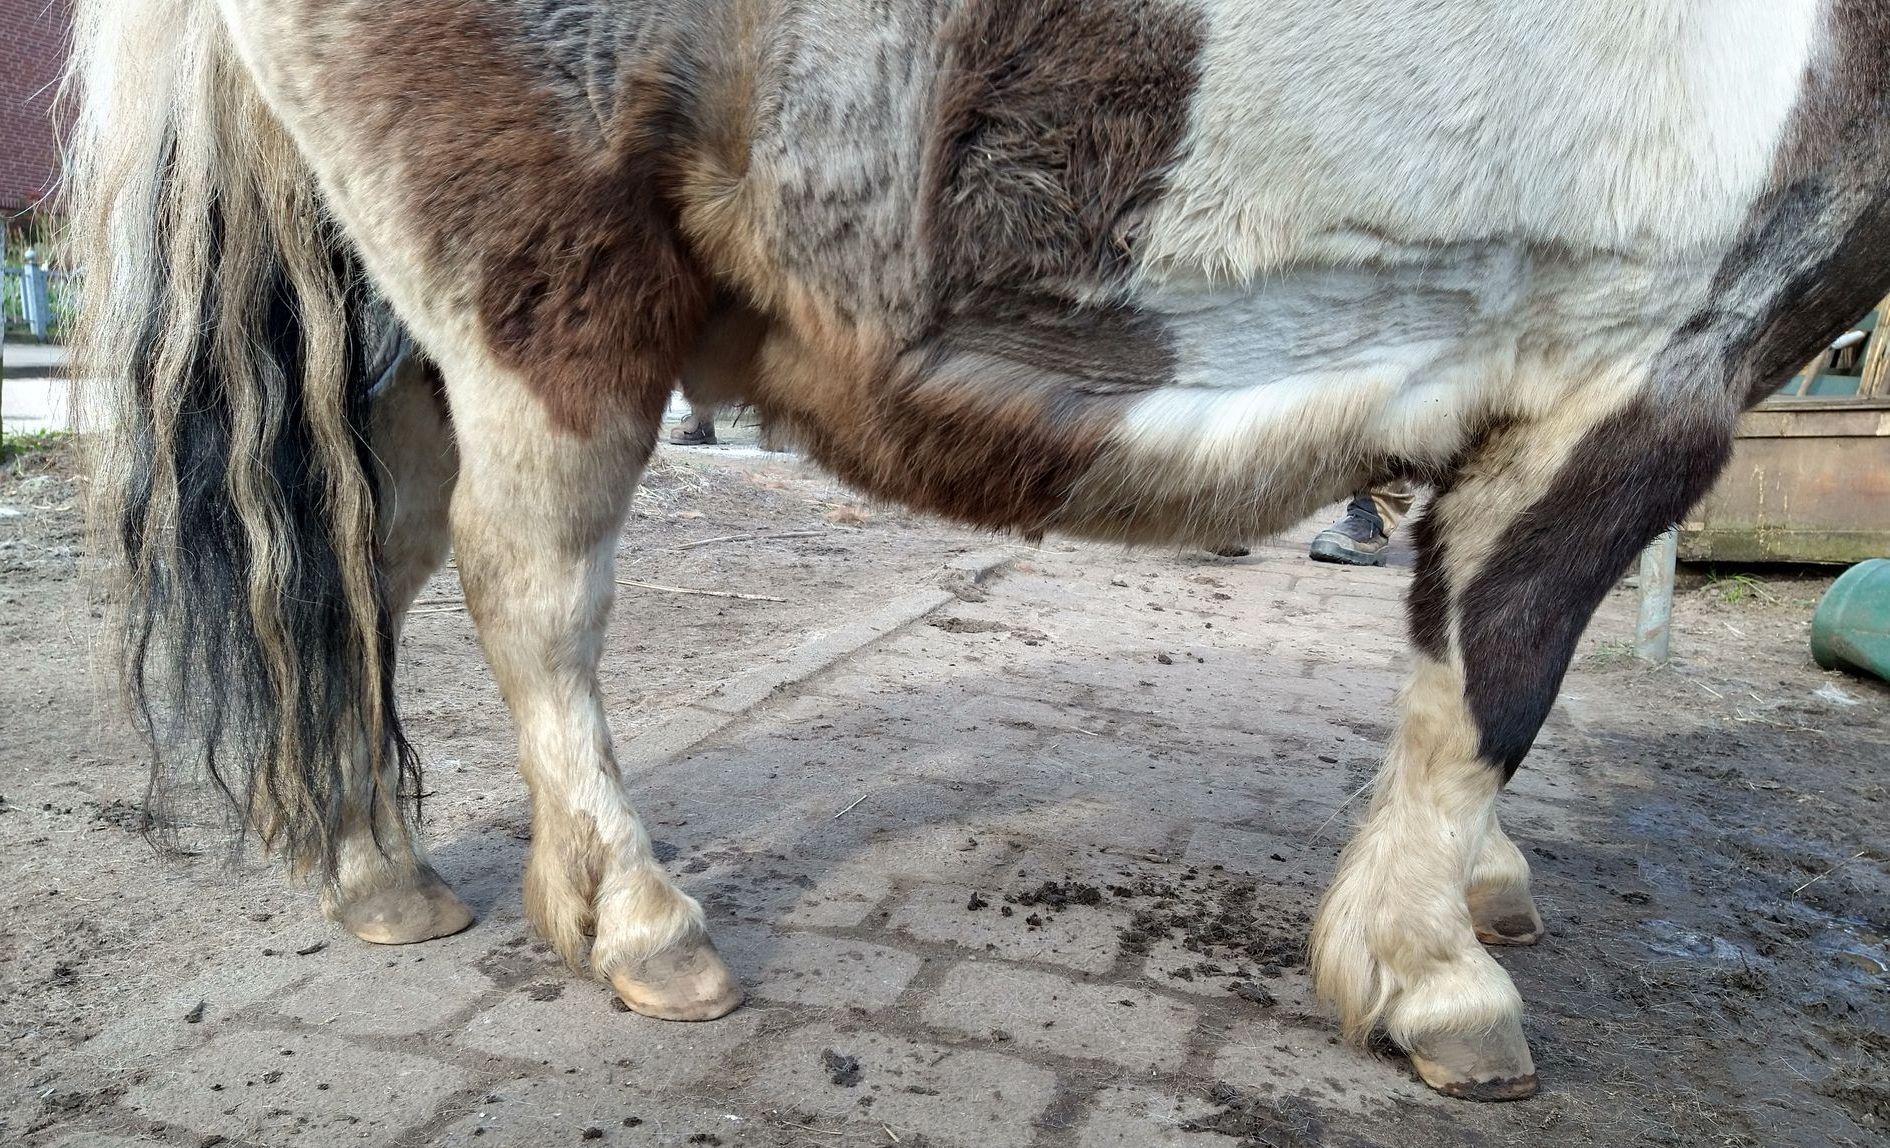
(1358, 539)
(691, 433)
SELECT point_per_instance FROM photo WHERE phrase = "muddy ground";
(1710, 840)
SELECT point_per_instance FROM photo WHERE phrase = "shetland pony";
(1150, 271)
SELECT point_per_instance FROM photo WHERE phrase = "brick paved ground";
(1099, 719)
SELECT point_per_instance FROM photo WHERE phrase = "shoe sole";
(1323, 550)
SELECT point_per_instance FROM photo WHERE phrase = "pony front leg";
(1394, 944)
(1520, 545)
(1501, 908)
(535, 524)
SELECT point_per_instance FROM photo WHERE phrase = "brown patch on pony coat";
(1056, 125)
(555, 222)
(988, 424)
(721, 368)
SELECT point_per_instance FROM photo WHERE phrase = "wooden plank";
(1796, 499)
(1877, 360)
(1829, 419)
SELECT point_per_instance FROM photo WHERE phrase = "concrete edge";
(729, 702)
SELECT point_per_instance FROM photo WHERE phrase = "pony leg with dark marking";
(1515, 553)
(384, 891)
(536, 520)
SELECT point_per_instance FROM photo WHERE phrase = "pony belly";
(1302, 389)
(1219, 414)
(1095, 425)
(1294, 393)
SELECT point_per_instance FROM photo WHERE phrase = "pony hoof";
(407, 916)
(684, 982)
(1490, 1066)
(1505, 918)
(1510, 931)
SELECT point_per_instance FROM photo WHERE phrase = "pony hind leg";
(1515, 553)
(536, 519)
(384, 891)
(558, 302)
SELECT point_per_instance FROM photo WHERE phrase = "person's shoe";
(1358, 539)
(692, 433)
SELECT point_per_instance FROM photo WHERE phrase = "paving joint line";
(751, 691)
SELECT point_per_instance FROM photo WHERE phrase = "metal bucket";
(1851, 629)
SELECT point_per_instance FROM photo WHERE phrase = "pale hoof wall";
(687, 982)
(1511, 931)
(1489, 1067)
(407, 916)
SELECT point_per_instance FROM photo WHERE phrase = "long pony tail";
(220, 339)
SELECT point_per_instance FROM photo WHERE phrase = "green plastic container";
(1851, 630)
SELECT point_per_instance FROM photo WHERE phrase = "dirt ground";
(1710, 841)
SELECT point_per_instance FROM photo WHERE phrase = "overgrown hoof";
(406, 916)
(688, 981)
(1493, 1066)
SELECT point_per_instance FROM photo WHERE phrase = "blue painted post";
(33, 290)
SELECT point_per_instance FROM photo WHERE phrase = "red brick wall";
(33, 39)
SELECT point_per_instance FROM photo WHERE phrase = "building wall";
(33, 39)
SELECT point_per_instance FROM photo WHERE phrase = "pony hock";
(1152, 271)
